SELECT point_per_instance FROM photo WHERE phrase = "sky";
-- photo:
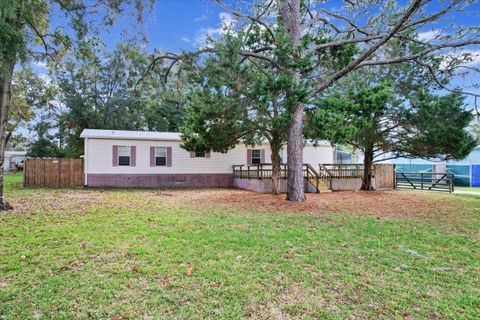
(176, 25)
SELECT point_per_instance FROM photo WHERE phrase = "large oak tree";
(311, 27)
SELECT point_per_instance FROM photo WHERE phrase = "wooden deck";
(323, 176)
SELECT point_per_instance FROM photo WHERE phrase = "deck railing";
(339, 171)
(258, 171)
(265, 170)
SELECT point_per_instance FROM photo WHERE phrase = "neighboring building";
(115, 158)
(13, 160)
(467, 171)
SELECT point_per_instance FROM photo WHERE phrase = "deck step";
(323, 186)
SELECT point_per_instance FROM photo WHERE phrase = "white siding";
(99, 153)
(316, 155)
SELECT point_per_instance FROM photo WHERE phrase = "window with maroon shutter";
(169, 156)
(249, 157)
(133, 156)
(152, 156)
(124, 154)
(115, 156)
(161, 156)
(256, 156)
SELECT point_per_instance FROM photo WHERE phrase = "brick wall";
(160, 180)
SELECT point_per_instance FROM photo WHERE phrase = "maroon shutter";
(207, 154)
(133, 156)
(115, 156)
(249, 157)
(152, 156)
(192, 154)
(169, 156)
(262, 156)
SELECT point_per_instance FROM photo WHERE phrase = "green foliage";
(44, 146)
(238, 98)
(370, 119)
(100, 90)
(438, 127)
(351, 117)
(235, 100)
(30, 93)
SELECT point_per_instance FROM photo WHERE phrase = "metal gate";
(425, 181)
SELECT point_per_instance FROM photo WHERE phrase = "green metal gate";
(430, 181)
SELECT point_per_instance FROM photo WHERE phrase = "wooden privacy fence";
(53, 173)
(384, 173)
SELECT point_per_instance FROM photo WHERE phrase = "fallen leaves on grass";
(189, 271)
(380, 204)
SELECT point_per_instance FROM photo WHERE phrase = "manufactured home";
(117, 158)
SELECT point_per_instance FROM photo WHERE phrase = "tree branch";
(243, 16)
(353, 65)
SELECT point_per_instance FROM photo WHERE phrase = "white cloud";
(470, 57)
(201, 18)
(40, 64)
(45, 77)
(429, 35)
(186, 39)
(227, 22)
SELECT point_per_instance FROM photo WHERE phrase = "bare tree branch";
(365, 55)
(439, 82)
(243, 16)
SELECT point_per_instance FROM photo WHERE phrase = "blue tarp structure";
(475, 175)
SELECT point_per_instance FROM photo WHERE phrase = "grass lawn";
(476, 189)
(230, 254)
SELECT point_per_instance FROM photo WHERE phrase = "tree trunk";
(291, 19)
(5, 93)
(295, 183)
(276, 162)
(367, 170)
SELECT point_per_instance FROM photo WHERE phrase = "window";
(160, 156)
(256, 156)
(200, 154)
(124, 156)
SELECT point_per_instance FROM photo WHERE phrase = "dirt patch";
(63, 200)
(381, 204)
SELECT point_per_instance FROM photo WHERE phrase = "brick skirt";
(204, 180)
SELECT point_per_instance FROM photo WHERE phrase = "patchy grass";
(476, 189)
(232, 254)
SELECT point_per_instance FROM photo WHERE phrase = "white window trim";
(259, 156)
(165, 149)
(129, 148)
